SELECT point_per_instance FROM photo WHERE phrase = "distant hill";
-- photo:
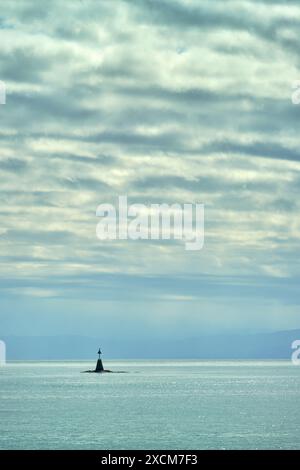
(227, 346)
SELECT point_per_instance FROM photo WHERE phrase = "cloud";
(14, 165)
(169, 101)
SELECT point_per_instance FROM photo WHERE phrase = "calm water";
(157, 405)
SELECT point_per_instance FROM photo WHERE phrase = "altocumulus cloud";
(165, 101)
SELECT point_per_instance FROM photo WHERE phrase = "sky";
(167, 101)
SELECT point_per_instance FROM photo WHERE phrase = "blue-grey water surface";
(156, 405)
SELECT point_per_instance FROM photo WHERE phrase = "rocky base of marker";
(100, 370)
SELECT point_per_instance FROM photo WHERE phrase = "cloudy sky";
(163, 101)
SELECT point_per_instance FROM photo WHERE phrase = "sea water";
(155, 405)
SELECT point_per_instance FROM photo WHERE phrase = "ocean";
(155, 405)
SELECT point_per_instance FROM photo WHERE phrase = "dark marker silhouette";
(99, 366)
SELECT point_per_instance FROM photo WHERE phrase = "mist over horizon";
(276, 345)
